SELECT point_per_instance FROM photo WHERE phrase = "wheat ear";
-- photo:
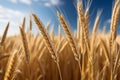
(87, 21)
(25, 44)
(10, 64)
(4, 34)
(83, 24)
(46, 38)
(48, 43)
(114, 23)
(70, 39)
(113, 30)
(69, 36)
(80, 20)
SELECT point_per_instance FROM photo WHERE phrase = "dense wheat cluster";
(73, 56)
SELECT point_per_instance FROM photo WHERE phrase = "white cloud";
(55, 2)
(13, 1)
(49, 3)
(27, 2)
(44, 2)
(14, 16)
(35, 0)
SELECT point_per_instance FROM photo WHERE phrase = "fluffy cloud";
(13, 1)
(27, 2)
(55, 2)
(44, 2)
(49, 3)
(13, 16)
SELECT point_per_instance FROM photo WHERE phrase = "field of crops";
(73, 56)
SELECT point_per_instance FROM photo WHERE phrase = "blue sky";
(15, 10)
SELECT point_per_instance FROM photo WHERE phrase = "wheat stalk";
(30, 24)
(23, 24)
(78, 29)
(117, 58)
(52, 33)
(104, 47)
(59, 32)
(47, 26)
(94, 32)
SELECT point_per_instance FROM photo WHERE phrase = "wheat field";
(73, 56)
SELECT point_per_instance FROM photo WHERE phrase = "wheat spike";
(76, 54)
(84, 33)
(25, 44)
(80, 21)
(114, 23)
(48, 43)
(69, 36)
(4, 34)
(46, 37)
(87, 21)
(113, 30)
(10, 65)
